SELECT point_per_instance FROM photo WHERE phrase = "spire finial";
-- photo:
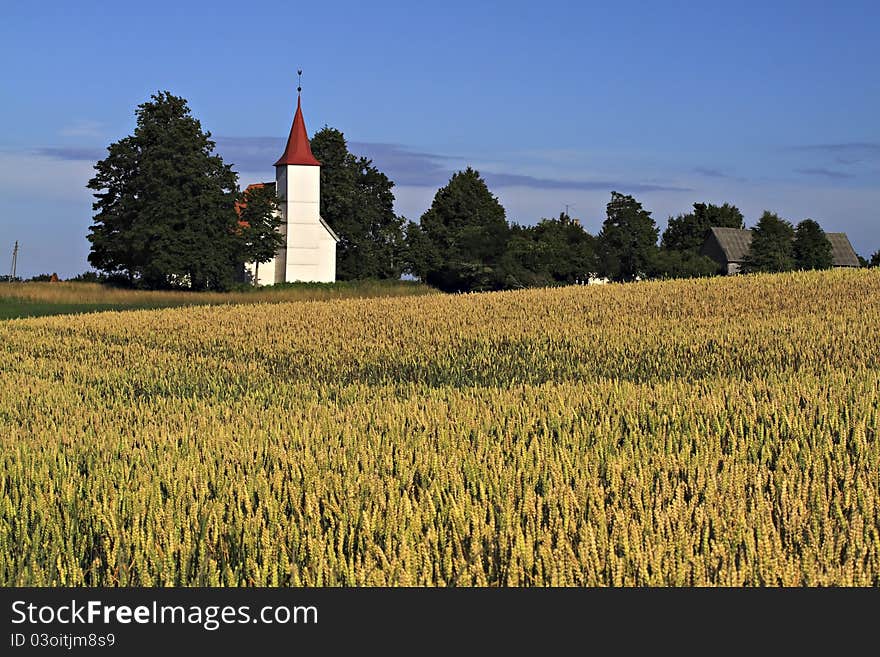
(299, 81)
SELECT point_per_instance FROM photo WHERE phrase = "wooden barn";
(729, 246)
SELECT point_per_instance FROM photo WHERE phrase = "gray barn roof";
(734, 243)
(841, 250)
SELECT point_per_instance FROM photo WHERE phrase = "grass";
(20, 300)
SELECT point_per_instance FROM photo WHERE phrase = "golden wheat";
(703, 432)
(86, 294)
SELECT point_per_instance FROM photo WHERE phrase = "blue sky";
(768, 105)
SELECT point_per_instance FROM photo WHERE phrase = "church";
(309, 250)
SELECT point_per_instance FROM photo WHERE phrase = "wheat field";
(685, 433)
(35, 299)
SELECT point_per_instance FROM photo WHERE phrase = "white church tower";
(309, 250)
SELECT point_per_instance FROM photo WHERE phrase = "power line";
(14, 261)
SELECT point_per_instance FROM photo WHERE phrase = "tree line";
(169, 213)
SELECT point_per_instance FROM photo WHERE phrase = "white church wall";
(281, 257)
(304, 184)
(308, 254)
(327, 270)
(265, 273)
(281, 182)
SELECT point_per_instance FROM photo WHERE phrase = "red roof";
(298, 150)
(242, 203)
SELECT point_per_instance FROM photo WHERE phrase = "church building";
(309, 249)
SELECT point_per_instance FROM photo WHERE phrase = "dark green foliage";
(460, 241)
(41, 278)
(628, 239)
(165, 215)
(671, 263)
(117, 235)
(772, 247)
(687, 232)
(811, 247)
(875, 259)
(555, 251)
(568, 251)
(88, 277)
(358, 203)
(259, 222)
(524, 261)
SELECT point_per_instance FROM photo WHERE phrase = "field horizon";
(41, 299)
(702, 432)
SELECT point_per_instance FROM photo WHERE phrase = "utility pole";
(14, 261)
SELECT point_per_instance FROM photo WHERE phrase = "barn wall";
(712, 249)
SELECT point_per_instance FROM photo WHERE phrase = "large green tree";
(459, 243)
(165, 203)
(628, 239)
(772, 247)
(811, 247)
(568, 251)
(524, 262)
(875, 259)
(551, 252)
(672, 263)
(687, 232)
(358, 202)
(260, 220)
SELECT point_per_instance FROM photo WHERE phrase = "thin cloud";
(514, 180)
(250, 153)
(710, 173)
(73, 153)
(418, 169)
(83, 129)
(849, 150)
(403, 166)
(413, 168)
(825, 173)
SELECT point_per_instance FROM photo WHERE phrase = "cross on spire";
(298, 150)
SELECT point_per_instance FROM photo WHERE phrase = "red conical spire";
(298, 150)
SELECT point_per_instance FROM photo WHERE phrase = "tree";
(358, 203)
(553, 251)
(875, 259)
(459, 242)
(165, 203)
(672, 263)
(259, 221)
(524, 263)
(772, 248)
(628, 240)
(568, 251)
(687, 232)
(89, 277)
(116, 246)
(811, 247)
